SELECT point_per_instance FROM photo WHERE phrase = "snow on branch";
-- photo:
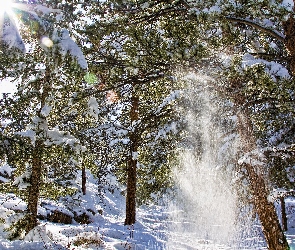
(58, 137)
(280, 192)
(46, 10)
(10, 36)
(250, 22)
(273, 69)
(255, 157)
(68, 46)
(169, 99)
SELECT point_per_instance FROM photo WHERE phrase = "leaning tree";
(249, 45)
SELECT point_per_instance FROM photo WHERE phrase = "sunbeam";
(12, 14)
(6, 6)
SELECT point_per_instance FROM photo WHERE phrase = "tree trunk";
(131, 167)
(284, 215)
(83, 180)
(265, 209)
(289, 28)
(34, 188)
(131, 193)
(37, 164)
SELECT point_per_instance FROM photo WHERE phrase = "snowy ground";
(155, 228)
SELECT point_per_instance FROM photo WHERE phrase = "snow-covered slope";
(157, 227)
(106, 230)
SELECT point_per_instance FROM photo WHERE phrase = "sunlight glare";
(6, 6)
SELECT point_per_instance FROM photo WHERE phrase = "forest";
(140, 124)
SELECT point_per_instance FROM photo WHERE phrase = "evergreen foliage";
(35, 138)
(111, 108)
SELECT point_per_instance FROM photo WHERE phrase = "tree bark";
(83, 180)
(284, 215)
(34, 188)
(131, 167)
(131, 193)
(289, 28)
(37, 164)
(265, 209)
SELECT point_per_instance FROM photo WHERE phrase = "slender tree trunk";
(34, 188)
(37, 164)
(284, 215)
(83, 180)
(131, 167)
(131, 193)
(265, 209)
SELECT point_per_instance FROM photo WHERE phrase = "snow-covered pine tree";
(47, 76)
(135, 74)
(218, 32)
(254, 64)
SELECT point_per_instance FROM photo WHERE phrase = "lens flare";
(47, 41)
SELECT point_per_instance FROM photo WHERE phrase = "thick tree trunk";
(83, 180)
(34, 188)
(265, 209)
(289, 28)
(131, 167)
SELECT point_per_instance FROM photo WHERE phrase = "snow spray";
(203, 215)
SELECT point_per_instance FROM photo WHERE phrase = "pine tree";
(253, 85)
(217, 30)
(133, 49)
(134, 73)
(47, 77)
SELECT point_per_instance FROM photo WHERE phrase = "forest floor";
(157, 227)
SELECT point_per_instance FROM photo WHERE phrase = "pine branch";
(269, 31)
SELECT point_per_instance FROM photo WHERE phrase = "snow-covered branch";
(267, 30)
